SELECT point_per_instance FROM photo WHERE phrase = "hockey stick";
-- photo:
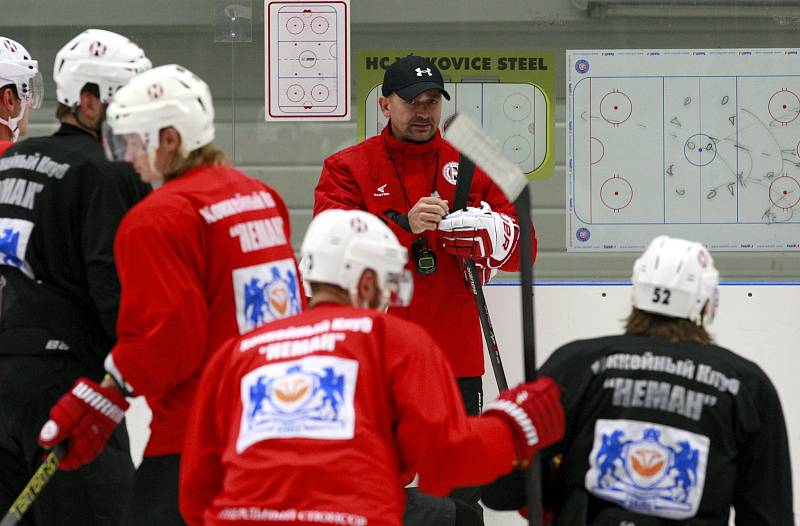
(466, 170)
(466, 135)
(38, 481)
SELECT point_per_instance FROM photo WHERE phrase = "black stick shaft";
(533, 479)
(466, 170)
(486, 324)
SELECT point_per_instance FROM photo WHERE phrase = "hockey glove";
(535, 414)
(85, 416)
(480, 234)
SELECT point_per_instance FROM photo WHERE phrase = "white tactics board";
(307, 60)
(701, 144)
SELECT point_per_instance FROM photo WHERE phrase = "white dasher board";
(701, 144)
(307, 70)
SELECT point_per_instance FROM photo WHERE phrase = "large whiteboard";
(701, 144)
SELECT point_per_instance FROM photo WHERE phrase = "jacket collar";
(410, 148)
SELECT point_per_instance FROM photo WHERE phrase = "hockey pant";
(461, 508)
(93, 495)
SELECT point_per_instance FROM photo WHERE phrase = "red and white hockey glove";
(480, 234)
(535, 413)
(85, 416)
(485, 274)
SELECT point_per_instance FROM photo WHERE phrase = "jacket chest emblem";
(450, 172)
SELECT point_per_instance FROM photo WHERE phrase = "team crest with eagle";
(266, 292)
(648, 468)
(311, 397)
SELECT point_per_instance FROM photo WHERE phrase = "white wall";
(758, 321)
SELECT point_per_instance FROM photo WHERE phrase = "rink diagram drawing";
(308, 72)
(688, 141)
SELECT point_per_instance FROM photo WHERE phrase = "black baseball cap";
(410, 76)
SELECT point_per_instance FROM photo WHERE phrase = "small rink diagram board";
(307, 70)
(701, 144)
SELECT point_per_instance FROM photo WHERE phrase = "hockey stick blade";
(468, 137)
(38, 481)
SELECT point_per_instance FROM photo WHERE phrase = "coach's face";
(415, 120)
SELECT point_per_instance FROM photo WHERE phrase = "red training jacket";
(383, 173)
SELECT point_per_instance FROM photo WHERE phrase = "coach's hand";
(535, 414)
(426, 214)
(85, 417)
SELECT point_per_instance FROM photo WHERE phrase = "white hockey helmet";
(340, 244)
(99, 57)
(17, 68)
(166, 96)
(676, 278)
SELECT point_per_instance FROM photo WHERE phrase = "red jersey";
(313, 419)
(204, 258)
(383, 173)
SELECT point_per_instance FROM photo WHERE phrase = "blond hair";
(206, 155)
(643, 323)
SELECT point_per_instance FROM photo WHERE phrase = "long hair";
(205, 155)
(643, 323)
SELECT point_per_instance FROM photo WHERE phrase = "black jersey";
(680, 431)
(60, 205)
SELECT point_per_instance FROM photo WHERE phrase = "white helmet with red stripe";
(99, 57)
(18, 69)
(166, 96)
(341, 244)
(676, 278)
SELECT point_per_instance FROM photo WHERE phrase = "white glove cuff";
(518, 415)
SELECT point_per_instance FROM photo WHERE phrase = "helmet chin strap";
(12, 123)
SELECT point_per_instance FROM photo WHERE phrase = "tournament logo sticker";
(265, 293)
(648, 468)
(311, 397)
(582, 66)
(583, 234)
(450, 172)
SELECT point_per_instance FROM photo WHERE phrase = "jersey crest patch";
(265, 293)
(307, 398)
(14, 237)
(648, 468)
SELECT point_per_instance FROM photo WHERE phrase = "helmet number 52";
(661, 295)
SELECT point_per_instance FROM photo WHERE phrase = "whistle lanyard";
(400, 180)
